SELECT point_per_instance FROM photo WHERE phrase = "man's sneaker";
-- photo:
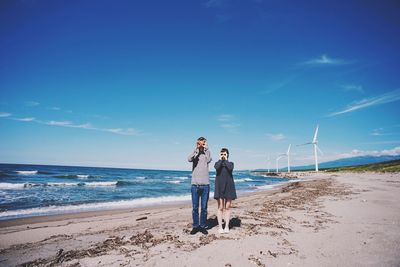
(221, 230)
(226, 230)
(194, 231)
(203, 231)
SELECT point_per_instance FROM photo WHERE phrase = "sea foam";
(50, 210)
(30, 185)
(101, 183)
(27, 172)
(174, 182)
(11, 186)
(243, 180)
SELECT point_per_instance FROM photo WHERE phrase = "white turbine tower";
(316, 148)
(287, 154)
(288, 158)
(277, 160)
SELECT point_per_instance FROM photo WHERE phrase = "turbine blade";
(319, 150)
(288, 151)
(309, 143)
(315, 134)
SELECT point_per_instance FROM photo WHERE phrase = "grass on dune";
(387, 166)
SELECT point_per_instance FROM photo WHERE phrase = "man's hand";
(223, 156)
(202, 145)
(198, 145)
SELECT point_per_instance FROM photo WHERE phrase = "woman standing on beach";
(225, 190)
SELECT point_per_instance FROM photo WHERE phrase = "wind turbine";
(315, 142)
(287, 154)
(268, 158)
(277, 159)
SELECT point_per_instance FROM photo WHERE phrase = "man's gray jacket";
(200, 160)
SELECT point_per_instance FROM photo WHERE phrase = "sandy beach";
(329, 219)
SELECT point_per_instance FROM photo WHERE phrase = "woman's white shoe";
(221, 230)
(226, 230)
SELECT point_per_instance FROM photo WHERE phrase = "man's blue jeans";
(200, 195)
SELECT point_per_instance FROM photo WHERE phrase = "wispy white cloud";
(59, 123)
(386, 142)
(27, 119)
(59, 109)
(226, 117)
(230, 126)
(358, 153)
(326, 60)
(353, 87)
(381, 132)
(278, 85)
(86, 126)
(369, 102)
(5, 114)
(69, 124)
(276, 137)
(128, 131)
(97, 116)
(377, 132)
(215, 3)
(89, 126)
(384, 131)
(219, 6)
(228, 122)
(32, 103)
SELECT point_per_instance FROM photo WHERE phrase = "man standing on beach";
(200, 158)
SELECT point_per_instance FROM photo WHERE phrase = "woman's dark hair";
(201, 138)
(225, 150)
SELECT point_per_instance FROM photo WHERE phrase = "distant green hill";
(339, 163)
(387, 166)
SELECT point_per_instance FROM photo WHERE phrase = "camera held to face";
(202, 144)
(223, 156)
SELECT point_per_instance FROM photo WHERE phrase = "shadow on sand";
(213, 221)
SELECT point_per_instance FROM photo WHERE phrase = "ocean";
(33, 190)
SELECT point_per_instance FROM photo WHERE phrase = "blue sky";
(134, 83)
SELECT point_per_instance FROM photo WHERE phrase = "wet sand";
(330, 219)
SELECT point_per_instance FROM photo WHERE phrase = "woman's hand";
(205, 145)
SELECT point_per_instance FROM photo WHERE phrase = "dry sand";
(330, 219)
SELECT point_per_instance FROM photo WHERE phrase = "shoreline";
(109, 211)
(340, 219)
(121, 211)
